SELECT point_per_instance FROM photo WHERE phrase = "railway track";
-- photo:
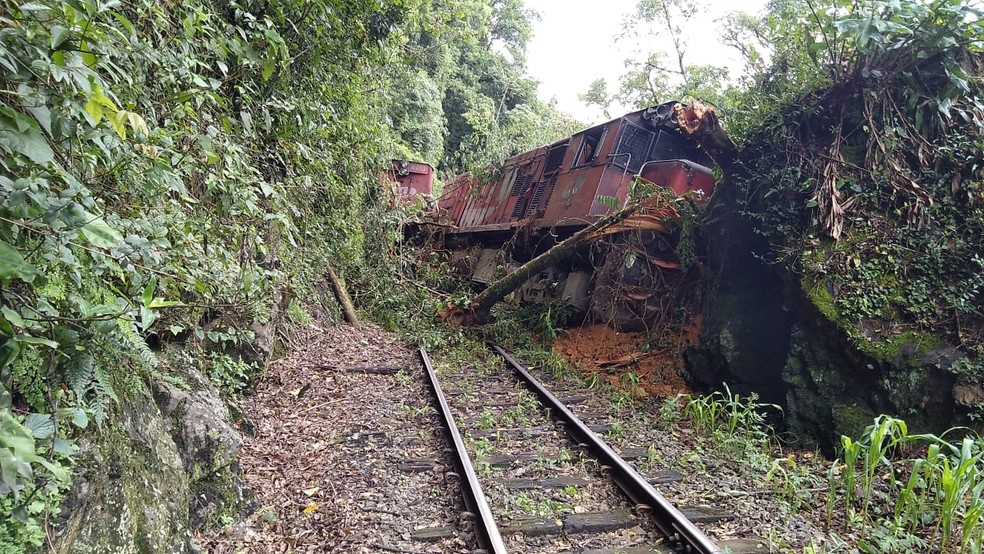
(534, 477)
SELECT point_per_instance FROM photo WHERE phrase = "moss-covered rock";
(164, 466)
(851, 420)
(131, 493)
(197, 419)
(200, 424)
(785, 336)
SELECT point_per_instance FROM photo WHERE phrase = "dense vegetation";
(869, 141)
(180, 173)
(859, 128)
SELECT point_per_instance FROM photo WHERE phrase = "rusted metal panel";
(680, 176)
(413, 179)
(577, 180)
(453, 192)
(526, 172)
(576, 194)
(476, 202)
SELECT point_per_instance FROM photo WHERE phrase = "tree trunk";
(481, 304)
(338, 287)
(701, 122)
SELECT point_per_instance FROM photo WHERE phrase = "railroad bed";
(344, 451)
(537, 476)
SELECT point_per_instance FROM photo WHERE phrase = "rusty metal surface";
(413, 179)
(680, 176)
(576, 180)
(667, 517)
(486, 530)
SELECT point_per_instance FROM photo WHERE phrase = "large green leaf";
(28, 339)
(14, 266)
(100, 234)
(41, 426)
(12, 468)
(22, 135)
(16, 437)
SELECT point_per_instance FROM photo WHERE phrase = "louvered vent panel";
(519, 189)
(633, 148)
(522, 183)
(538, 193)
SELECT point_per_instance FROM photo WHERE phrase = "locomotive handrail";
(667, 517)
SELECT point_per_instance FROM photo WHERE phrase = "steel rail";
(487, 532)
(667, 517)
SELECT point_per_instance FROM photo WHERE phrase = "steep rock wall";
(764, 333)
(163, 467)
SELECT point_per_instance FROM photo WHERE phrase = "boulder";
(130, 492)
(163, 466)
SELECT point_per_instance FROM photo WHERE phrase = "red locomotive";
(542, 196)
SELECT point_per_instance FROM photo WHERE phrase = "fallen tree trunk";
(701, 122)
(481, 304)
(338, 287)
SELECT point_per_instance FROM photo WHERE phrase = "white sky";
(574, 43)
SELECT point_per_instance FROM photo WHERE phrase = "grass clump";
(902, 490)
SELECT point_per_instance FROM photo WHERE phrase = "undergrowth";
(889, 492)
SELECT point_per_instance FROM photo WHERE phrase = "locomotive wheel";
(636, 283)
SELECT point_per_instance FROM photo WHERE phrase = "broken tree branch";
(701, 122)
(481, 304)
(338, 287)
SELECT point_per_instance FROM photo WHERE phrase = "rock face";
(747, 324)
(163, 466)
(207, 442)
(834, 388)
(764, 333)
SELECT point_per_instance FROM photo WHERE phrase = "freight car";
(545, 195)
(410, 180)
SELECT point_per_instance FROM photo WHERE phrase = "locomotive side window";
(555, 158)
(591, 141)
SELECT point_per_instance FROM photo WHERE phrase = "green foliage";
(865, 131)
(737, 426)
(33, 477)
(789, 479)
(231, 375)
(466, 84)
(166, 167)
(662, 72)
(938, 503)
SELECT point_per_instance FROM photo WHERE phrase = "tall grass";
(737, 426)
(936, 494)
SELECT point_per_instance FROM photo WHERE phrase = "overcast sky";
(574, 43)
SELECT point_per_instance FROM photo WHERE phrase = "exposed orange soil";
(612, 354)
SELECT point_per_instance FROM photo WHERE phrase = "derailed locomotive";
(627, 273)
